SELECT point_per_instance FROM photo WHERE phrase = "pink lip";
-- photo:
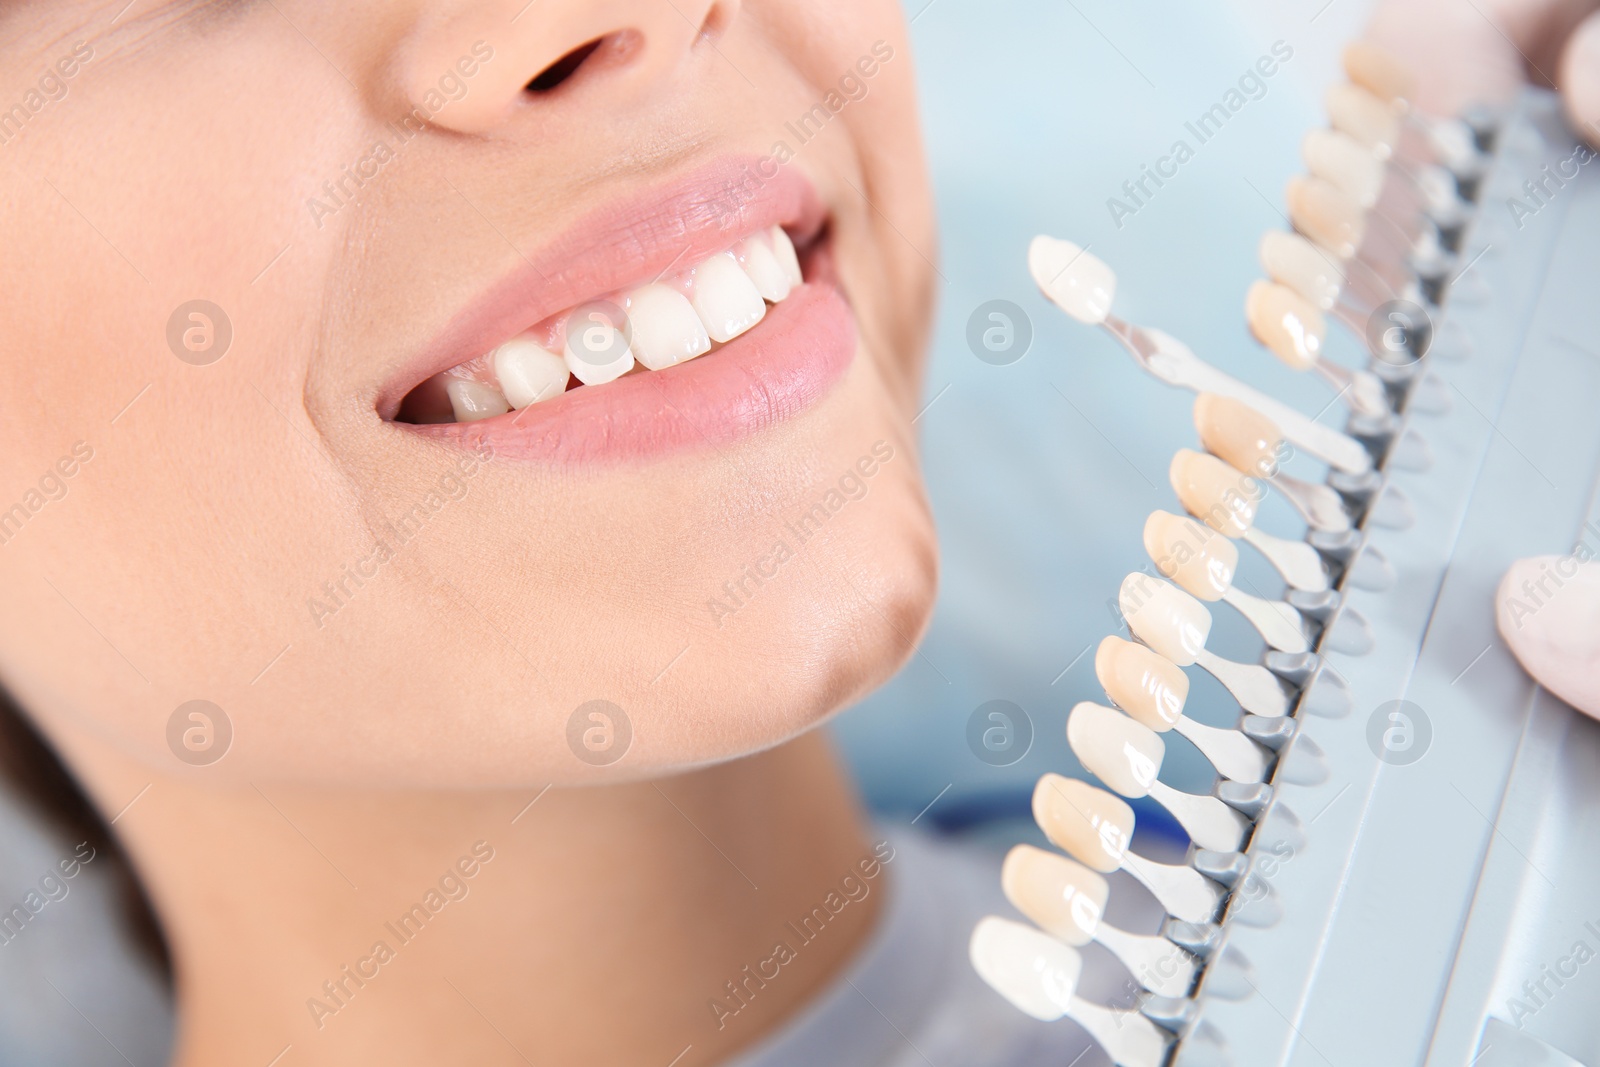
(777, 369)
(773, 372)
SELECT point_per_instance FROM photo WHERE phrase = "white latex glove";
(1548, 610)
(1466, 52)
(1479, 51)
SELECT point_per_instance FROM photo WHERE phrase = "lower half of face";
(462, 402)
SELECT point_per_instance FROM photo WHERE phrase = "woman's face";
(256, 252)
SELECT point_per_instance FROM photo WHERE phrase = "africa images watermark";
(1252, 489)
(1536, 992)
(453, 885)
(1251, 86)
(849, 486)
(54, 885)
(1537, 592)
(452, 485)
(851, 87)
(51, 486)
(353, 179)
(1542, 191)
(49, 88)
(854, 887)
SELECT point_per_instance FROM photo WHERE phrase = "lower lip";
(776, 371)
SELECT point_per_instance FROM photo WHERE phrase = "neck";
(621, 924)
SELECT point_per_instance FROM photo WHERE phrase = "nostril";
(563, 68)
(717, 20)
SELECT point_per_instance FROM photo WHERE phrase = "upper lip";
(629, 241)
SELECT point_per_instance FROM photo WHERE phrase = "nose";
(472, 66)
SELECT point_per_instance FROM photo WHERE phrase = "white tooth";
(1373, 122)
(596, 351)
(725, 298)
(759, 261)
(665, 328)
(472, 400)
(1344, 161)
(783, 248)
(529, 372)
(1164, 617)
(1029, 968)
(1124, 754)
(1299, 264)
(1078, 283)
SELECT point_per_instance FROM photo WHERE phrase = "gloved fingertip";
(1580, 78)
(1548, 610)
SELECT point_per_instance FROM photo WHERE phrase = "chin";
(809, 651)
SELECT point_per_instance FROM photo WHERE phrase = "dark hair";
(34, 770)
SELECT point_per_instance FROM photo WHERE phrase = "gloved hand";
(1548, 610)
(1480, 51)
(1466, 52)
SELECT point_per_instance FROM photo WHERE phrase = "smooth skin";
(372, 751)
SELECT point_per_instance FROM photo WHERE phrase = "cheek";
(845, 609)
(220, 547)
(463, 656)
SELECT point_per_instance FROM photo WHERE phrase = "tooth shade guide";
(1201, 561)
(1091, 825)
(1063, 896)
(1379, 71)
(1115, 748)
(1213, 492)
(1475, 927)
(1360, 390)
(1368, 286)
(1298, 563)
(1357, 112)
(1148, 687)
(1291, 260)
(1286, 323)
(1165, 357)
(1127, 757)
(1170, 621)
(1077, 282)
(1238, 434)
(1325, 215)
(1345, 163)
(1184, 892)
(1319, 505)
(1233, 755)
(1247, 440)
(1095, 827)
(1035, 972)
(1066, 900)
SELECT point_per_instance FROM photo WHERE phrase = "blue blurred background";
(1042, 471)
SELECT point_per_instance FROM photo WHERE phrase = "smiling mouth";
(689, 311)
(688, 315)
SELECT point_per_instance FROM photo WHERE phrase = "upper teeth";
(660, 324)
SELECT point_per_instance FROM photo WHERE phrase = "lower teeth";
(652, 327)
